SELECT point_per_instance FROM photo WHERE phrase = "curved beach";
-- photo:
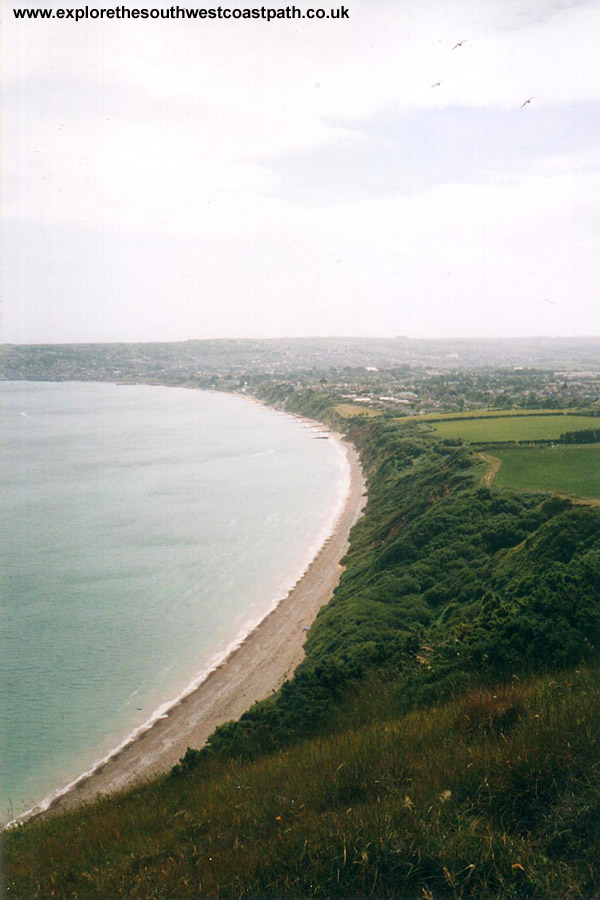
(257, 668)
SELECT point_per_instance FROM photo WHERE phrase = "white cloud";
(157, 145)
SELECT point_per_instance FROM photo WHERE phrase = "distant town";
(408, 377)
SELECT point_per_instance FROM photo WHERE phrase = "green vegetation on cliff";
(447, 582)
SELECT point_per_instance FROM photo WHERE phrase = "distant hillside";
(198, 359)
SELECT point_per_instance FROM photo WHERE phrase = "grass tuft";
(485, 711)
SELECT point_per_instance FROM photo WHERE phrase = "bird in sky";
(549, 301)
(460, 43)
(526, 102)
(437, 84)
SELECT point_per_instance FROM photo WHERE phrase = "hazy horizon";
(419, 170)
(331, 337)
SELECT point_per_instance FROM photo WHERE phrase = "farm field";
(488, 414)
(573, 470)
(514, 428)
(347, 410)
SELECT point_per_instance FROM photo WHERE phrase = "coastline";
(253, 670)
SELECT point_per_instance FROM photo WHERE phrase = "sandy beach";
(257, 668)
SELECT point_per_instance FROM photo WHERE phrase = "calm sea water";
(145, 530)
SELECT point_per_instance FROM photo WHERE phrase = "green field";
(348, 410)
(487, 414)
(514, 428)
(573, 470)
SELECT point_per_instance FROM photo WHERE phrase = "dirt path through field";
(493, 467)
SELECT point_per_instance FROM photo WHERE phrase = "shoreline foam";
(150, 749)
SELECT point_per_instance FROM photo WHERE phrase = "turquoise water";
(145, 530)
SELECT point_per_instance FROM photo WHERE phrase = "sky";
(173, 180)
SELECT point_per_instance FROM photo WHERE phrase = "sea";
(145, 531)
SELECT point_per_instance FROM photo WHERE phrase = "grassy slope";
(573, 469)
(387, 767)
(491, 795)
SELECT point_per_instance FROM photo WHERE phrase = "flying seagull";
(437, 84)
(549, 301)
(460, 43)
(526, 102)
